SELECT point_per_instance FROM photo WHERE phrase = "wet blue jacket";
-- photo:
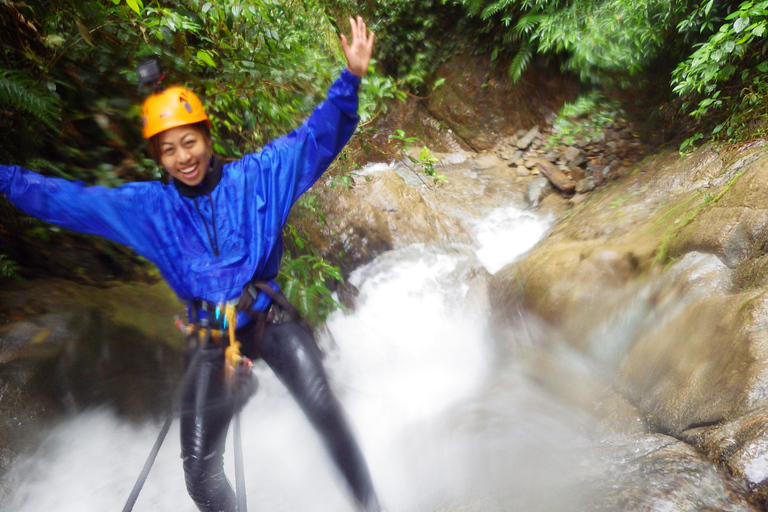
(243, 214)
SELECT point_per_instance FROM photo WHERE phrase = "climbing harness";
(280, 306)
(237, 368)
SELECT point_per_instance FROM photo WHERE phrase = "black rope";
(242, 505)
(166, 426)
(239, 466)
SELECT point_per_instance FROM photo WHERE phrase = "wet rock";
(585, 271)
(576, 174)
(480, 115)
(347, 293)
(585, 185)
(601, 173)
(737, 224)
(579, 161)
(526, 140)
(578, 198)
(558, 178)
(77, 355)
(522, 171)
(691, 370)
(536, 190)
(511, 156)
(384, 214)
(487, 161)
(741, 446)
(571, 153)
(657, 473)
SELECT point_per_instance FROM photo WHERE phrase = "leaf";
(84, 33)
(136, 5)
(18, 92)
(740, 24)
(206, 57)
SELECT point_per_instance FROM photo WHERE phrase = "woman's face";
(185, 152)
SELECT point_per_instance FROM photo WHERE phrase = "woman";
(211, 231)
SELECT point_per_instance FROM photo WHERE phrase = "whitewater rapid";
(412, 364)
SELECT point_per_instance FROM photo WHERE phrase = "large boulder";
(735, 224)
(72, 347)
(660, 473)
(664, 279)
(376, 215)
(706, 364)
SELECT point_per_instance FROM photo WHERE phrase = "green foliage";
(347, 180)
(376, 91)
(599, 39)
(585, 118)
(8, 267)
(718, 49)
(303, 281)
(713, 60)
(689, 144)
(304, 275)
(412, 37)
(425, 161)
(726, 73)
(18, 92)
(259, 67)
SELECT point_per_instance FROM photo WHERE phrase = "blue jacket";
(161, 222)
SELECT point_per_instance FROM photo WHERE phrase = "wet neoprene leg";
(293, 356)
(205, 417)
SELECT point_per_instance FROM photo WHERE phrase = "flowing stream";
(446, 421)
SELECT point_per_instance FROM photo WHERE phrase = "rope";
(242, 505)
(166, 426)
(232, 352)
(233, 360)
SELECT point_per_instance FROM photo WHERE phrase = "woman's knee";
(207, 484)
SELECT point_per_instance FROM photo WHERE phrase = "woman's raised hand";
(358, 52)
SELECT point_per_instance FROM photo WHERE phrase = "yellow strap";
(232, 353)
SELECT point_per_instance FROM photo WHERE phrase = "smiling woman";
(185, 152)
(214, 233)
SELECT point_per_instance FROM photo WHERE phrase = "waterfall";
(444, 423)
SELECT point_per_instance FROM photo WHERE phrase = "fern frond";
(529, 22)
(493, 8)
(520, 63)
(473, 6)
(20, 93)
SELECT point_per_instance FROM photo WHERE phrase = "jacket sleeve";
(288, 166)
(111, 213)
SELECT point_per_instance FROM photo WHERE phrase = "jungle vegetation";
(70, 98)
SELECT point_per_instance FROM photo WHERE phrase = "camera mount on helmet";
(151, 73)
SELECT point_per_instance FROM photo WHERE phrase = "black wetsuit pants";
(292, 354)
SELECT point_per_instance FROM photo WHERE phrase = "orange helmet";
(176, 106)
